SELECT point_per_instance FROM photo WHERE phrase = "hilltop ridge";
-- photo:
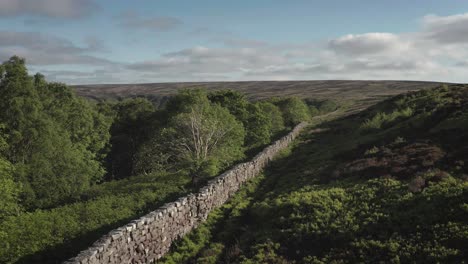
(365, 92)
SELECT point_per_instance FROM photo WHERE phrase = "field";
(362, 93)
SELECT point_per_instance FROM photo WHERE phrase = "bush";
(9, 191)
(274, 115)
(401, 161)
(294, 111)
(258, 127)
(56, 140)
(327, 106)
(417, 184)
(48, 236)
(381, 119)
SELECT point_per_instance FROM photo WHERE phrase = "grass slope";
(363, 92)
(52, 236)
(386, 185)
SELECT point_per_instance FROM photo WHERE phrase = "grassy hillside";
(386, 185)
(363, 92)
(52, 236)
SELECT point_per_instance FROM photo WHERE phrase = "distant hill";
(365, 92)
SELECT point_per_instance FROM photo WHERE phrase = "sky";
(141, 41)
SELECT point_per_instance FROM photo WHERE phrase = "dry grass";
(364, 93)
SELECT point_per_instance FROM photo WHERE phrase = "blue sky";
(86, 41)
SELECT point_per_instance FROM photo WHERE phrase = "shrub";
(49, 236)
(258, 127)
(381, 118)
(402, 161)
(327, 106)
(372, 151)
(417, 184)
(9, 191)
(274, 115)
(294, 111)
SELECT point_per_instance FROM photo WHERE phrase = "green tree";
(80, 118)
(327, 106)
(20, 109)
(275, 116)
(234, 101)
(256, 122)
(154, 155)
(55, 140)
(205, 139)
(294, 110)
(132, 125)
(258, 127)
(184, 99)
(200, 138)
(9, 189)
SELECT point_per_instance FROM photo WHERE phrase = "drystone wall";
(148, 238)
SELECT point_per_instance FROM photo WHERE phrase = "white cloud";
(448, 29)
(202, 61)
(132, 20)
(48, 8)
(438, 51)
(367, 43)
(381, 55)
(43, 49)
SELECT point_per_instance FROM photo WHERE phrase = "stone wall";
(148, 238)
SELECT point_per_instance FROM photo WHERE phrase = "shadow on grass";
(71, 248)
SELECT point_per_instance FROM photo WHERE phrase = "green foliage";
(170, 146)
(154, 155)
(326, 201)
(20, 109)
(48, 236)
(185, 99)
(327, 106)
(453, 122)
(265, 253)
(201, 245)
(258, 127)
(371, 151)
(234, 101)
(204, 138)
(133, 121)
(404, 200)
(55, 139)
(189, 246)
(294, 110)
(381, 119)
(9, 191)
(78, 117)
(317, 107)
(274, 115)
(256, 121)
(399, 140)
(132, 110)
(224, 122)
(55, 149)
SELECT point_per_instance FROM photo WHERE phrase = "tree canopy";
(54, 137)
(201, 137)
(71, 169)
(294, 110)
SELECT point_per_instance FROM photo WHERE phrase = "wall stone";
(148, 238)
